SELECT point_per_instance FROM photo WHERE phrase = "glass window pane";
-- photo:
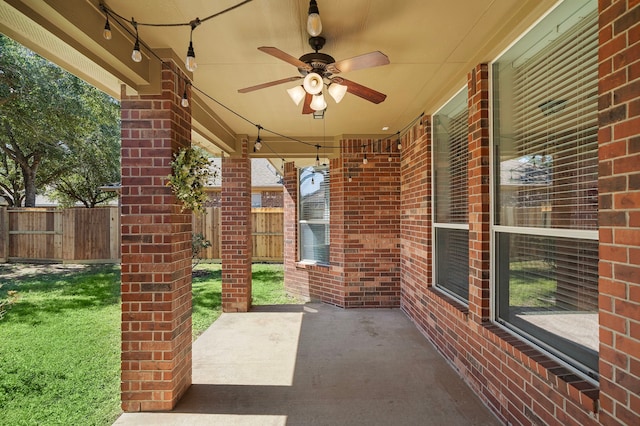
(452, 261)
(314, 214)
(546, 124)
(548, 288)
(450, 158)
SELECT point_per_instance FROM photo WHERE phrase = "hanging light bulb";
(390, 159)
(312, 180)
(350, 178)
(297, 94)
(317, 156)
(106, 33)
(190, 61)
(318, 103)
(314, 24)
(399, 146)
(313, 83)
(185, 100)
(135, 54)
(258, 144)
(364, 160)
(337, 91)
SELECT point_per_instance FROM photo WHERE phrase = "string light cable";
(131, 27)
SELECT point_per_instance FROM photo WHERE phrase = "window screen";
(451, 198)
(545, 173)
(314, 214)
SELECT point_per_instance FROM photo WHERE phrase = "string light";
(190, 62)
(185, 100)
(318, 155)
(106, 33)
(257, 146)
(136, 55)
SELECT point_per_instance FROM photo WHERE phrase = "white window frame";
(590, 235)
(301, 222)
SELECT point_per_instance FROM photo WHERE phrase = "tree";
(95, 162)
(51, 128)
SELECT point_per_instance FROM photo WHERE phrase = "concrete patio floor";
(316, 364)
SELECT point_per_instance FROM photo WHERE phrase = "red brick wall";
(478, 171)
(364, 226)
(415, 224)
(156, 251)
(236, 239)
(518, 383)
(619, 215)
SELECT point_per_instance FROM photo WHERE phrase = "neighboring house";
(266, 185)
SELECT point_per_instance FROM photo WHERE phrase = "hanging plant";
(192, 171)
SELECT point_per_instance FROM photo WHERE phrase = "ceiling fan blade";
(368, 60)
(275, 52)
(306, 107)
(361, 91)
(269, 84)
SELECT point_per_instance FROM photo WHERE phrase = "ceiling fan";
(317, 69)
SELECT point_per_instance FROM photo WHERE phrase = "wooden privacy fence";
(81, 235)
(267, 230)
(75, 235)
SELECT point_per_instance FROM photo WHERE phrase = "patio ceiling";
(431, 44)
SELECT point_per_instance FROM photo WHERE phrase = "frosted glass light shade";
(337, 91)
(318, 103)
(297, 94)
(313, 83)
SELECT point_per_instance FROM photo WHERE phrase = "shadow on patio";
(315, 364)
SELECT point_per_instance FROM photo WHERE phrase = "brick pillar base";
(236, 244)
(156, 251)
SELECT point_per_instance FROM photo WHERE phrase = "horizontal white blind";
(314, 210)
(549, 164)
(451, 155)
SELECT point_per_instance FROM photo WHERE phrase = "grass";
(60, 342)
(531, 285)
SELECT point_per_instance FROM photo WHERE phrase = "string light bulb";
(257, 146)
(350, 178)
(399, 146)
(136, 55)
(317, 156)
(314, 24)
(185, 100)
(190, 61)
(106, 33)
(364, 160)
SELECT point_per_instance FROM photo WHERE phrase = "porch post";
(156, 250)
(236, 238)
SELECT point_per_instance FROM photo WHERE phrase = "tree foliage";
(55, 129)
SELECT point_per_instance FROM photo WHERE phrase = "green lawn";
(60, 343)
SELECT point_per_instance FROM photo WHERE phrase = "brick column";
(478, 171)
(236, 241)
(619, 211)
(156, 251)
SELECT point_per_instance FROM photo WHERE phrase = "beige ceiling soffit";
(79, 24)
(210, 126)
(519, 21)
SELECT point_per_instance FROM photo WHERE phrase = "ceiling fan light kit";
(318, 69)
